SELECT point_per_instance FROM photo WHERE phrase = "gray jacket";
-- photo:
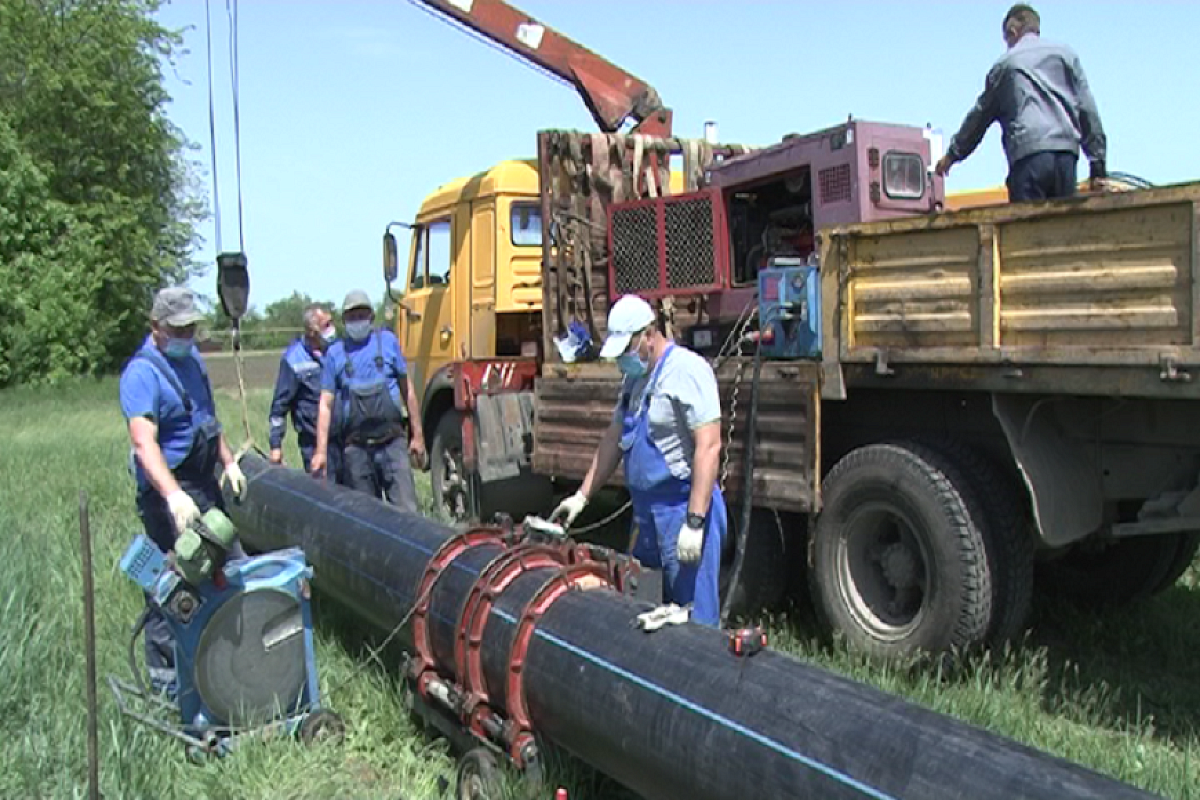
(1038, 94)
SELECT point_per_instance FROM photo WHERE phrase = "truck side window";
(439, 252)
(420, 239)
(526, 224)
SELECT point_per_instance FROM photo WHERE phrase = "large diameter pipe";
(669, 714)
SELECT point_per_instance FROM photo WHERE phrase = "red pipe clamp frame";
(578, 567)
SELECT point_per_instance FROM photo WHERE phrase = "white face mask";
(358, 330)
(329, 334)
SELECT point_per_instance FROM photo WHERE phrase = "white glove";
(690, 544)
(671, 614)
(570, 508)
(184, 510)
(236, 479)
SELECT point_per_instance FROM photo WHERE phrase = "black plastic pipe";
(670, 714)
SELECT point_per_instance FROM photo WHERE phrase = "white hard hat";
(627, 316)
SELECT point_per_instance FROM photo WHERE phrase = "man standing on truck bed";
(1040, 97)
(668, 427)
(367, 376)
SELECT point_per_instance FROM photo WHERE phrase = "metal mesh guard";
(635, 249)
(250, 663)
(690, 243)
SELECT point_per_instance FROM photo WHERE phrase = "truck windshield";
(526, 224)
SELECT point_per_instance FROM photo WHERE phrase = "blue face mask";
(358, 330)
(177, 348)
(632, 365)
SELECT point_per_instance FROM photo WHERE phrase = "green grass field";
(1120, 693)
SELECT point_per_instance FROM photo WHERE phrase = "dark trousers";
(382, 469)
(1043, 176)
(333, 458)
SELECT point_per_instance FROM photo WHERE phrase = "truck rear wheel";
(1008, 536)
(764, 576)
(1111, 574)
(898, 553)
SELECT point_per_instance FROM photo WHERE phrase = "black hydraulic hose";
(743, 532)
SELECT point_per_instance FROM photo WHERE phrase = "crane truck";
(933, 405)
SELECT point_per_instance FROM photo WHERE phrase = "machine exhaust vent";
(835, 184)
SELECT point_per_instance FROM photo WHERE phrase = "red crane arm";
(611, 94)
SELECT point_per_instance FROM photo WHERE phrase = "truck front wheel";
(898, 554)
(450, 482)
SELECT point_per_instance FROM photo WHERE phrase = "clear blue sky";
(352, 111)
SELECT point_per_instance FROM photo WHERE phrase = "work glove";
(569, 509)
(184, 510)
(690, 544)
(236, 479)
(671, 614)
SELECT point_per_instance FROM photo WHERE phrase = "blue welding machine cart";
(789, 309)
(244, 655)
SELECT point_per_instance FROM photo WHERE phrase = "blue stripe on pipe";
(713, 716)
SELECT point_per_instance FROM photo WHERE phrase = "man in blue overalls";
(667, 426)
(177, 441)
(367, 376)
(298, 392)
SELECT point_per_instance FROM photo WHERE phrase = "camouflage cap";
(175, 306)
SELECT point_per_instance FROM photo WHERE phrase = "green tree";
(98, 200)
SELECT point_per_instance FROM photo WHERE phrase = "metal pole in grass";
(89, 635)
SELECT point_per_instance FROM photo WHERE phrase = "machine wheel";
(1007, 534)
(764, 575)
(479, 776)
(322, 725)
(898, 553)
(452, 484)
(1107, 574)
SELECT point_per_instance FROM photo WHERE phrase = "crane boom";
(611, 94)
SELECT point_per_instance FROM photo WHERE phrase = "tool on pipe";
(521, 644)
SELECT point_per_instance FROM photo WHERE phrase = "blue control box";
(789, 309)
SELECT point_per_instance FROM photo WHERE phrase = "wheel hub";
(899, 564)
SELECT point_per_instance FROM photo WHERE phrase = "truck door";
(428, 339)
(482, 337)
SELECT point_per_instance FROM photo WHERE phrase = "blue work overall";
(660, 502)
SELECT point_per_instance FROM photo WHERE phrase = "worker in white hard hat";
(667, 427)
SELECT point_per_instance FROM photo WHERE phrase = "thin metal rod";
(89, 636)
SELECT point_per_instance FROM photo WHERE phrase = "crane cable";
(231, 12)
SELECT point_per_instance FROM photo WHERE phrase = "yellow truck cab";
(469, 316)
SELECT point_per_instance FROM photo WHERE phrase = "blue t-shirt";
(145, 392)
(362, 355)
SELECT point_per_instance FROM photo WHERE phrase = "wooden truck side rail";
(575, 404)
(1101, 290)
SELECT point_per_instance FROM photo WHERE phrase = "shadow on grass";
(1137, 664)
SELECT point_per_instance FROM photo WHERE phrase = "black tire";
(453, 488)
(899, 559)
(764, 576)
(1189, 543)
(1008, 535)
(322, 725)
(1110, 574)
(479, 776)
